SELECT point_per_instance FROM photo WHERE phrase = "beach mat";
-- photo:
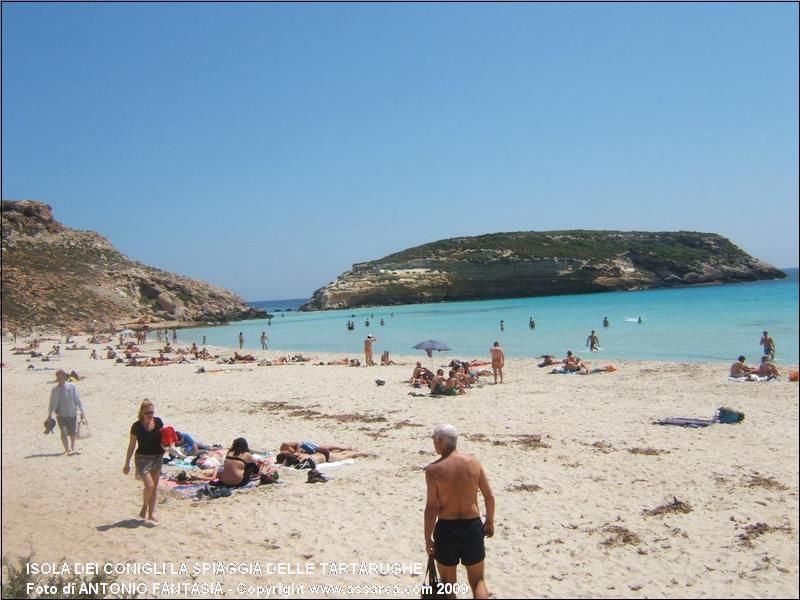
(685, 422)
(202, 490)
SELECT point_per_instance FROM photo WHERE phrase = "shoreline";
(575, 463)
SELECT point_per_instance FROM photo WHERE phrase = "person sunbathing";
(420, 375)
(767, 369)
(453, 387)
(548, 360)
(209, 459)
(281, 360)
(385, 360)
(340, 361)
(466, 377)
(306, 447)
(355, 362)
(290, 459)
(572, 363)
(739, 369)
(239, 466)
(438, 383)
(243, 357)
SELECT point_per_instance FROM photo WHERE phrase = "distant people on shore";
(574, 363)
(768, 344)
(593, 342)
(264, 340)
(438, 383)
(498, 361)
(453, 386)
(370, 339)
(241, 340)
(421, 376)
(548, 360)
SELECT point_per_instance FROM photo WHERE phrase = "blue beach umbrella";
(429, 346)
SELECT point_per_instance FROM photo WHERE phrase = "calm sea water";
(695, 324)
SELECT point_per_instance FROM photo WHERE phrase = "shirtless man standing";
(769, 345)
(453, 527)
(593, 341)
(498, 361)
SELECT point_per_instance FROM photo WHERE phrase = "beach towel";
(685, 422)
(327, 466)
(201, 490)
(748, 378)
(332, 465)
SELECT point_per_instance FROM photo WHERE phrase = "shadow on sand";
(127, 524)
(51, 455)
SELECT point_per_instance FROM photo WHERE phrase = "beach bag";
(728, 415)
(83, 429)
(431, 586)
(168, 436)
(306, 463)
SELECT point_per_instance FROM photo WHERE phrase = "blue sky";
(267, 147)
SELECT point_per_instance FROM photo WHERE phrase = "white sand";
(549, 540)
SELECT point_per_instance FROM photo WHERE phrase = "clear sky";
(267, 147)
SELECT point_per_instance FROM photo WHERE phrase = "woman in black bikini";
(239, 465)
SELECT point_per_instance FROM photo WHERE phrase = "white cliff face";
(462, 270)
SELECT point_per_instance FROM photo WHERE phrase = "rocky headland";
(61, 278)
(529, 263)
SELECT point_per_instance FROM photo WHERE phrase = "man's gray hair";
(448, 435)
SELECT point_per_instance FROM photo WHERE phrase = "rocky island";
(530, 263)
(62, 278)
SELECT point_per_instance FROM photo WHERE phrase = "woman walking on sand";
(146, 437)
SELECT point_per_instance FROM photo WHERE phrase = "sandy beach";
(588, 489)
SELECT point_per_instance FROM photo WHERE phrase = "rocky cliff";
(58, 277)
(528, 263)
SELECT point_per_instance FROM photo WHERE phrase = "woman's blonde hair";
(145, 404)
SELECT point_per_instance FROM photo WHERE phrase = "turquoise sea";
(694, 324)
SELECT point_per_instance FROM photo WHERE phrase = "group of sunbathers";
(765, 371)
(460, 377)
(572, 364)
(239, 465)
